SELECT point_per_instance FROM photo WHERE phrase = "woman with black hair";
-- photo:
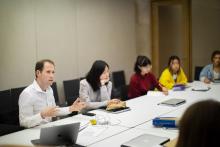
(96, 88)
(143, 80)
(173, 74)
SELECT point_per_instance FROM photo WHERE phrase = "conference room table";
(172, 133)
(127, 125)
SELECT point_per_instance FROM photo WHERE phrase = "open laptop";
(59, 135)
(145, 140)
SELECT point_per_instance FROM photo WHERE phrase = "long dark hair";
(140, 62)
(200, 125)
(93, 77)
(171, 60)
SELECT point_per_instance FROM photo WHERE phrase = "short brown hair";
(40, 65)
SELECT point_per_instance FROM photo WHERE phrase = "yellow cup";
(93, 121)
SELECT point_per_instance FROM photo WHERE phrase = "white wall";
(170, 35)
(205, 30)
(73, 33)
(143, 27)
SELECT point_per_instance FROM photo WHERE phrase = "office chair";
(15, 93)
(71, 90)
(9, 121)
(5, 106)
(120, 89)
(198, 69)
(118, 79)
(55, 93)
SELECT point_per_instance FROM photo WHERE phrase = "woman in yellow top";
(173, 74)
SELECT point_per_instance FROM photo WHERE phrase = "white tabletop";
(147, 127)
(142, 110)
(87, 136)
(117, 140)
(127, 125)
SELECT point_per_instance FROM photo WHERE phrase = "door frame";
(186, 5)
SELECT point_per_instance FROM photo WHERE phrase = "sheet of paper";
(93, 131)
(155, 93)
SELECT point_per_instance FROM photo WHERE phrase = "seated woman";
(200, 125)
(173, 74)
(211, 72)
(96, 88)
(143, 80)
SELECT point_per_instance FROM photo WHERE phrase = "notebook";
(173, 102)
(216, 81)
(59, 135)
(179, 87)
(145, 140)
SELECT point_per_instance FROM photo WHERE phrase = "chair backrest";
(71, 90)
(6, 101)
(124, 92)
(9, 121)
(15, 93)
(55, 93)
(118, 79)
(120, 89)
(198, 69)
(121, 93)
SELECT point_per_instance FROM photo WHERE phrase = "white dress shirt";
(32, 101)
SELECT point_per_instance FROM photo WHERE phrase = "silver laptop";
(59, 135)
(145, 140)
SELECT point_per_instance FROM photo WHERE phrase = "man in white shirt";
(36, 102)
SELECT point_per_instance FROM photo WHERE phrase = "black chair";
(15, 93)
(198, 69)
(55, 93)
(120, 89)
(124, 92)
(9, 121)
(5, 106)
(71, 90)
(118, 79)
(7, 129)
